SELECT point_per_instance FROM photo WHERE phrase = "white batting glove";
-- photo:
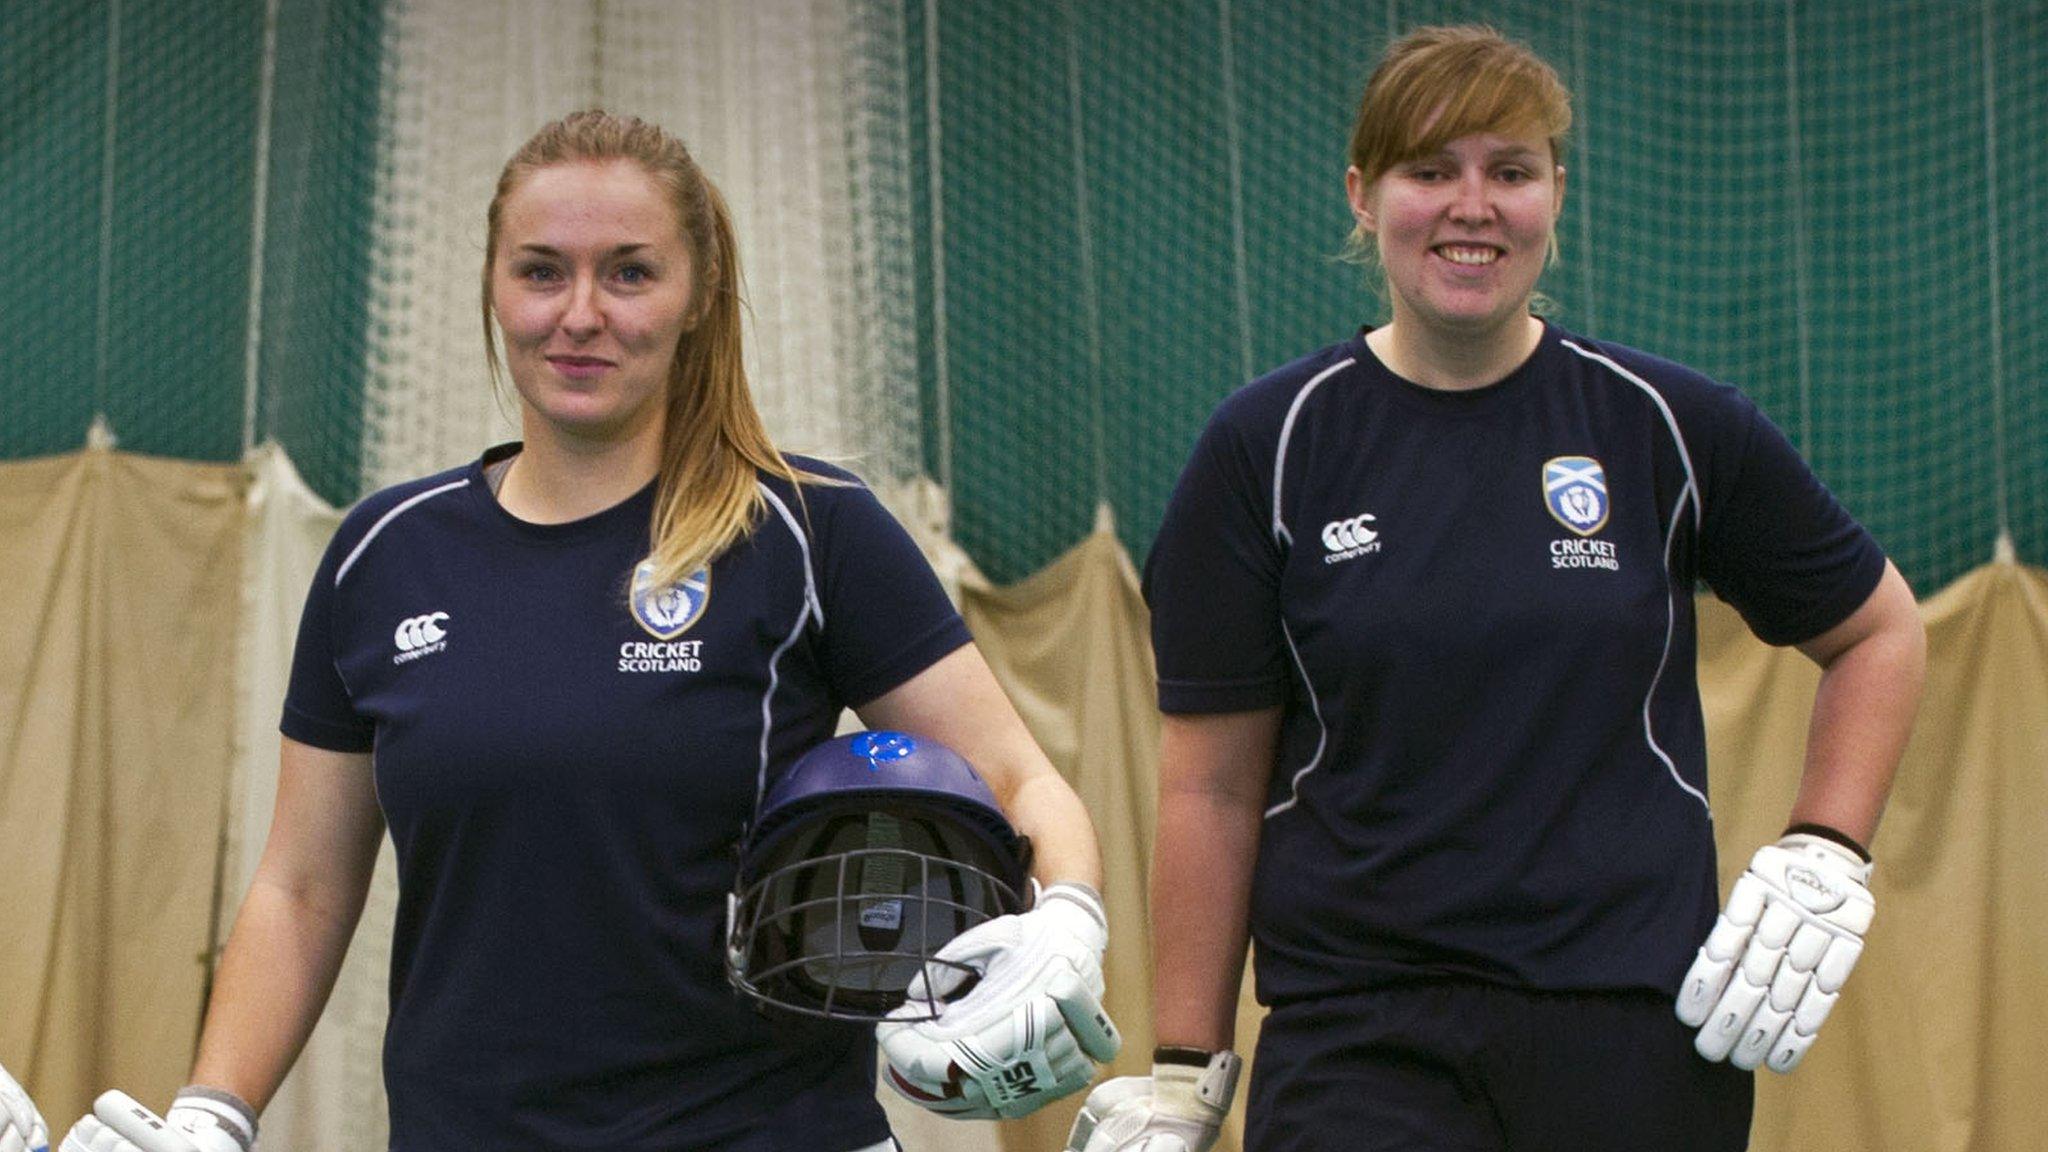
(1179, 1108)
(21, 1126)
(200, 1120)
(1029, 1032)
(1771, 969)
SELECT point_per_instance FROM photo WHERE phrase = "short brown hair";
(1437, 84)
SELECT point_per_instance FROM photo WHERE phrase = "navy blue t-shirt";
(1477, 611)
(565, 769)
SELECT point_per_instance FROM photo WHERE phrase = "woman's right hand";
(21, 1126)
(119, 1124)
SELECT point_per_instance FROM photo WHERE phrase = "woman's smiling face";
(591, 287)
(1463, 233)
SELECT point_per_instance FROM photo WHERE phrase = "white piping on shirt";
(1286, 539)
(1280, 532)
(809, 611)
(1691, 488)
(1688, 493)
(1322, 729)
(387, 518)
(803, 541)
(1670, 626)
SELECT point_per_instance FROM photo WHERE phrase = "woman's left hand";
(1031, 1030)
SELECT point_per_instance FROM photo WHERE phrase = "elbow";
(1905, 635)
(1892, 649)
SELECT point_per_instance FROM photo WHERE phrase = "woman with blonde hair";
(562, 676)
(1423, 610)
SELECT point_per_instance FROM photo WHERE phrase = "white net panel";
(793, 107)
(465, 85)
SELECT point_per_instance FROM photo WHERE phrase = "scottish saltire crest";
(667, 613)
(1575, 489)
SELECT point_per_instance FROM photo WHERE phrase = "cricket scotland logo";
(667, 613)
(1575, 490)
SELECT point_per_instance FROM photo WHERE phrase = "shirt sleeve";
(887, 617)
(1775, 543)
(318, 709)
(1212, 581)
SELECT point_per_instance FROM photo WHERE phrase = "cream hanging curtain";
(117, 656)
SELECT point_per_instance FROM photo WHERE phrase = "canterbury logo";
(1344, 535)
(420, 631)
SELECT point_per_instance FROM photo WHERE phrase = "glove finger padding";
(1125, 1132)
(1179, 1108)
(1081, 1007)
(119, 1124)
(1102, 1103)
(21, 1126)
(1011, 1068)
(1026, 1033)
(1020, 1069)
(1116, 1117)
(89, 1135)
(1771, 969)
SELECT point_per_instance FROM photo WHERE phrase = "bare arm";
(957, 702)
(288, 940)
(1872, 668)
(1213, 772)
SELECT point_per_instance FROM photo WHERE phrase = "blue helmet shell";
(866, 857)
(880, 769)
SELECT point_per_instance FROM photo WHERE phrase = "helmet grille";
(846, 913)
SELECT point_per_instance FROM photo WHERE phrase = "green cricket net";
(1023, 248)
(1831, 206)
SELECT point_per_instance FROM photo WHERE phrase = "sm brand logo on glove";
(1011, 1084)
(1020, 1080)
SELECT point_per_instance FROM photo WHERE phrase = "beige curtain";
(117, 650)
(131, 622)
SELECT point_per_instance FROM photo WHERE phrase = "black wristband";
(1826, 833)
(1182, 1054)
